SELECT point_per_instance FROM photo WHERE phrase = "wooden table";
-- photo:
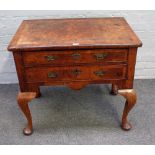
(75, 53)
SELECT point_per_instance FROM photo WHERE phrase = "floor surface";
(88, 116)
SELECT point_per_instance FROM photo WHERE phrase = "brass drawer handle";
(52, 75)
(100, 56)
(99, 73)
(50, 57)
(76, 56)
(76, 72)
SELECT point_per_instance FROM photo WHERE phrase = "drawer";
(74, 57)
(47, 74)
(113, 72)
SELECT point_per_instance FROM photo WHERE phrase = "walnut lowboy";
(75, 53)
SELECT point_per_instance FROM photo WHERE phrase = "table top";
(78, 33)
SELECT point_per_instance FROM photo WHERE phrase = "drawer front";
(57, 74)
(74, 57)
(108, 72)
(48, 74)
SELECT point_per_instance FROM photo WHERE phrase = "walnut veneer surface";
(75, 53)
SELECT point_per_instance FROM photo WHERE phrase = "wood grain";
(49, 34)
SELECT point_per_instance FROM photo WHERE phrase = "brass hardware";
(76, 72)
(50, 57)
(76, 56)
(52, 75)
(100, 56)
(99, 73)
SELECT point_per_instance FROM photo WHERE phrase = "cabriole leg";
(130, 96)
(114, 89)
(38, 93)
(23, 100)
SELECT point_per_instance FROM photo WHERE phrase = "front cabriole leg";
(131, 98)
(23, 99)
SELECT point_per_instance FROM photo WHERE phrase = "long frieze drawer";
(74, 57)
(47, 74)
(57, 74)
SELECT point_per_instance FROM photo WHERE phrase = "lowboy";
(75, 53)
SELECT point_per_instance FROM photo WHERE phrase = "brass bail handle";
(100, 56)
(52, 75)
(99, 73)
(76, 56)
(50, 58)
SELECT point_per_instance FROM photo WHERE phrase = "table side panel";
(18, 58)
